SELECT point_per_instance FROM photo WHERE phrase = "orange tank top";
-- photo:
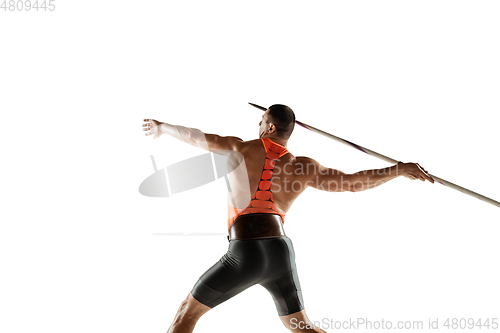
(262, 201)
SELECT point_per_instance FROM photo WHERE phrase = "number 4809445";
(27, 5)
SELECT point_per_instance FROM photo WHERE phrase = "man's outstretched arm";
(332, 180)
(211, 142)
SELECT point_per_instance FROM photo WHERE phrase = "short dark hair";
(283, 118)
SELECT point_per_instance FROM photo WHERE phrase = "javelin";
(390, 160)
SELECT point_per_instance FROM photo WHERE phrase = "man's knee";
(187, 315)
(191, 308)
(183, 307)
(299, 322)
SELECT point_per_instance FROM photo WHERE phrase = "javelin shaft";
(391, 160)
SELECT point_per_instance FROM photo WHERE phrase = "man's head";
(278, 120)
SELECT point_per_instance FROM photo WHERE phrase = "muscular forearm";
(369, 179)
(189, 135)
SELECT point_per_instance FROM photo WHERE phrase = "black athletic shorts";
(269, 262)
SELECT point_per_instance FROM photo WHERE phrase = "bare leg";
(187, 316)
(299, 322)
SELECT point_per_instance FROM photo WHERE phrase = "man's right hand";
(153, 126)
(414, 171)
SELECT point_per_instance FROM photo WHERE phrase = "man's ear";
(272, 129)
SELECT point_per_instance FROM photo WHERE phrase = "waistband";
(256, 225)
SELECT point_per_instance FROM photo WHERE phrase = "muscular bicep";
(222, 144)
(324, 178)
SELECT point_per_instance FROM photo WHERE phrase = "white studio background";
(416, 81)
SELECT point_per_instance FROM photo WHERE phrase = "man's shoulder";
(244, 145)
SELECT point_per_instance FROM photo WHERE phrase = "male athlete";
(264, 182)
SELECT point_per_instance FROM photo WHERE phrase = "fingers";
(148, 127)
(425, 174)
(428, 177)
(422, 174)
